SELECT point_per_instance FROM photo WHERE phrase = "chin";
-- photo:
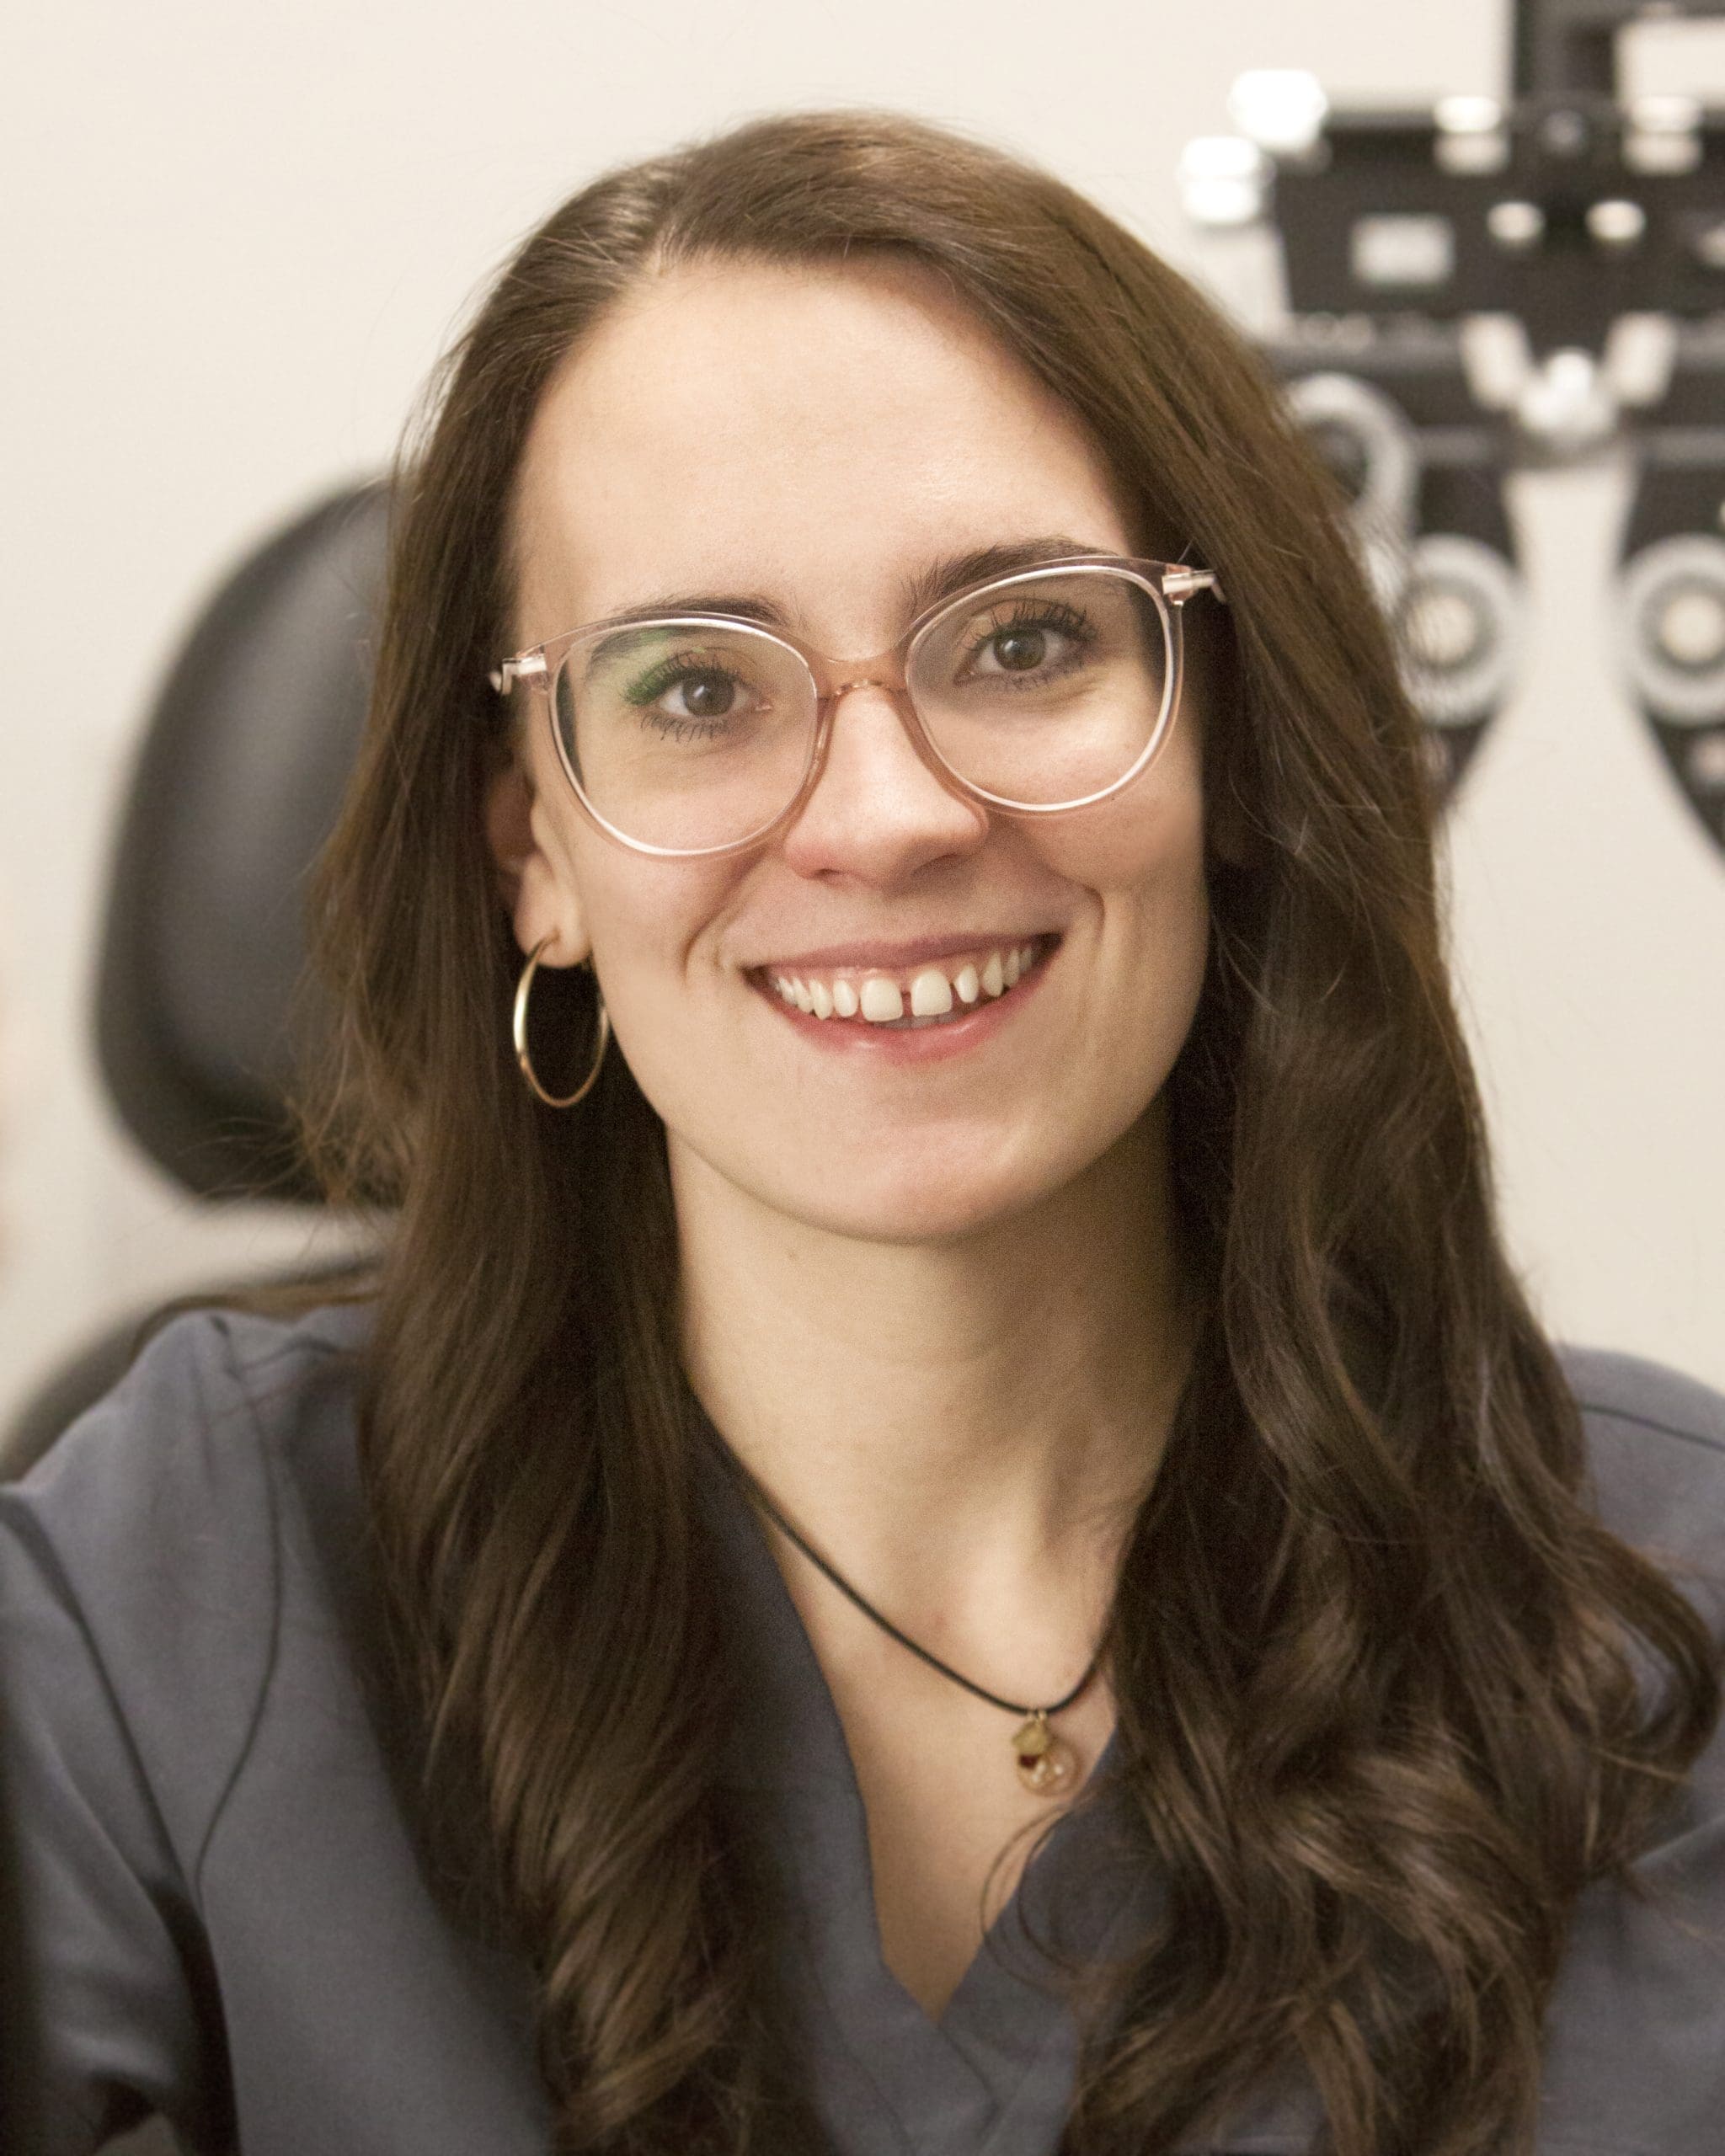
(931, 1186)
(908, 1205)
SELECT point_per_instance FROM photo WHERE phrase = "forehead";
(810, 431)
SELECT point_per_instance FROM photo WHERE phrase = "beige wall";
(236, 238)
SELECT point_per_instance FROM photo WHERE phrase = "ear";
(538, 895)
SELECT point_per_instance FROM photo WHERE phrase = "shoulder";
(1656, 1448)
(1624, 1391)
(1635, 2039)
(179, 1460)
(152, 1539)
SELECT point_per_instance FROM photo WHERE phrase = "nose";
(878, 810)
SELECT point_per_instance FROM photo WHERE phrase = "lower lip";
(912, 1043)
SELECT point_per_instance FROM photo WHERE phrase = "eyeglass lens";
(690, 734)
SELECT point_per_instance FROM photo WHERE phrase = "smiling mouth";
(914, 996)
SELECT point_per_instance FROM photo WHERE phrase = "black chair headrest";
(242, 765)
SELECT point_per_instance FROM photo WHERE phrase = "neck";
(957, 1427)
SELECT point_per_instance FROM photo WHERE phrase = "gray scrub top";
(225, 1911)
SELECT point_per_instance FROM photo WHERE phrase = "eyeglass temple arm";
(503, 677)
(1178, 585)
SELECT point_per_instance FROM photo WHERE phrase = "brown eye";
(1020, 651)
(708, 695)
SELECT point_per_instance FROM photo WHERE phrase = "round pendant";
(1046, 1763)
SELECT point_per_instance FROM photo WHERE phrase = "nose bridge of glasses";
(886, 671)
(894, 690)
(881, 669)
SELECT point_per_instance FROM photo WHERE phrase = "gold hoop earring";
(524, 989)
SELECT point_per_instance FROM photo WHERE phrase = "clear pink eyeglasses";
(695, 733)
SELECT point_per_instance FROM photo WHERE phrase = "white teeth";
(881, 1000)
(932, 993)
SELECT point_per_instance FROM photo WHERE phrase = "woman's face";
(821, 438)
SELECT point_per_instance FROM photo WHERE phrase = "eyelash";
(679, 666)
(1035, 613)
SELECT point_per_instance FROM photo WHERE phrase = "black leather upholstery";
(236, 786)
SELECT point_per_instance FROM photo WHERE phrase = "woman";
(945, 1526)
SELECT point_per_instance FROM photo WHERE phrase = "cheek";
(1141, 854)
(1143, 866)
(651, 923)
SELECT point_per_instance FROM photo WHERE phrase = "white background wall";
(235, 239)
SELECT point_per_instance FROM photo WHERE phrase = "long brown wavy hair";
(1375, 1660)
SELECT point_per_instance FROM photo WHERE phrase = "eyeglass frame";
(1170, 585)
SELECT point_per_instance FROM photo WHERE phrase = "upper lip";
(923, 950)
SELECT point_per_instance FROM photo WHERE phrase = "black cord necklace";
(1046, 1763)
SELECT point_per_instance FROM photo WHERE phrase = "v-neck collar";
(994, 2076)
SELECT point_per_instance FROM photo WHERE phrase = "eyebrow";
(948, 573)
